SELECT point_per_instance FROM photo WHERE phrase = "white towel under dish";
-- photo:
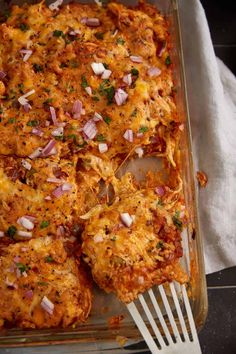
(212, 101)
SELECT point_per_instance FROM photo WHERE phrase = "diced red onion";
(53, 114)
(26, 54)
(74, 32)
(31, 218)
(139, 151)
(59, 191)
(97, 117)
(49, 149)
(77, 109)
(136, 59)
(2, 74)
(26, 164)
(26, 223)
(90, 21)
(37, 132)
(25, 274)
(153, 71)
(48, 197)
(66, 187)
(98, 238)
(106, 74)
(16, 259)
(126, 219)
(27, 107)
(141, 280)
(55, 5)
(139, 135)
(47, 123)
(9, 283)
(58, 131)
(161, 49)
(102, 147)
(98, 2)
(54, 180)
(22, 99)
(160, 191)
(128, 135)
(90, 129)
(127, 79)
(47, 305)
(29, 294)
(88, 90)
(98, 68)
(60, 231)
(25, 234)
(24, 249)
(18, 273)
(181, 127)
(1, 234)
(36, 153)
(120, 97)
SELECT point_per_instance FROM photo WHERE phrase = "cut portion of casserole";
(41, 286)
(134, 243)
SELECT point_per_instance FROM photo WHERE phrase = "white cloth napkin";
(211, 91)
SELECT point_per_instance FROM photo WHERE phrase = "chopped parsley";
(99, 35)
(74, 64)
(12, 120)
(120, 41)
(58, 33)
(106, 90)
(23, 27)
(43, 283)
(107, 120)
(21, 88)
(134, 113)
(22, 267)
(135, 72)
(84, 82)
(33, 123)
(95, 98)
(178, 223)
(160, 244)
(113, 238)
(100, 137)
(46, 103)
(168, 60)
(106, 66)
(37, 68)
(48, 259)
(143, 129)
(11, 231)
(44, 224)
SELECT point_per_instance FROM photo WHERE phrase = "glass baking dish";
(96, 335)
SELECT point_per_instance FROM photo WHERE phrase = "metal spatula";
(180, 342)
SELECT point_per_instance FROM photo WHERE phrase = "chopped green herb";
(134, 113)
(63, 65)
(99, 35)
(23, 27)
(178, 223)
(84, 82)
(37, 68)
(106, 90)
(60, 138)
(120, 41)
(107, 120)
(11, 231)
(46, 103)
(42, 283)
(21, 88)
(135, 72)
(33, 123)
(22, 267)
(101, 137)
(31, 172)
(74, 64)
(143, 129)
(48, 259)
(58, 33)
(44, 224)
(46, 89)
(160, 202)
(12, 120)
(160, 244)
(168, 60)
(113, 238)
(95, 98)
(106, 66)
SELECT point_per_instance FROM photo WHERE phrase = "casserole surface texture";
(84, 90)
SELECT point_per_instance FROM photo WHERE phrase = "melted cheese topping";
(94, 83)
